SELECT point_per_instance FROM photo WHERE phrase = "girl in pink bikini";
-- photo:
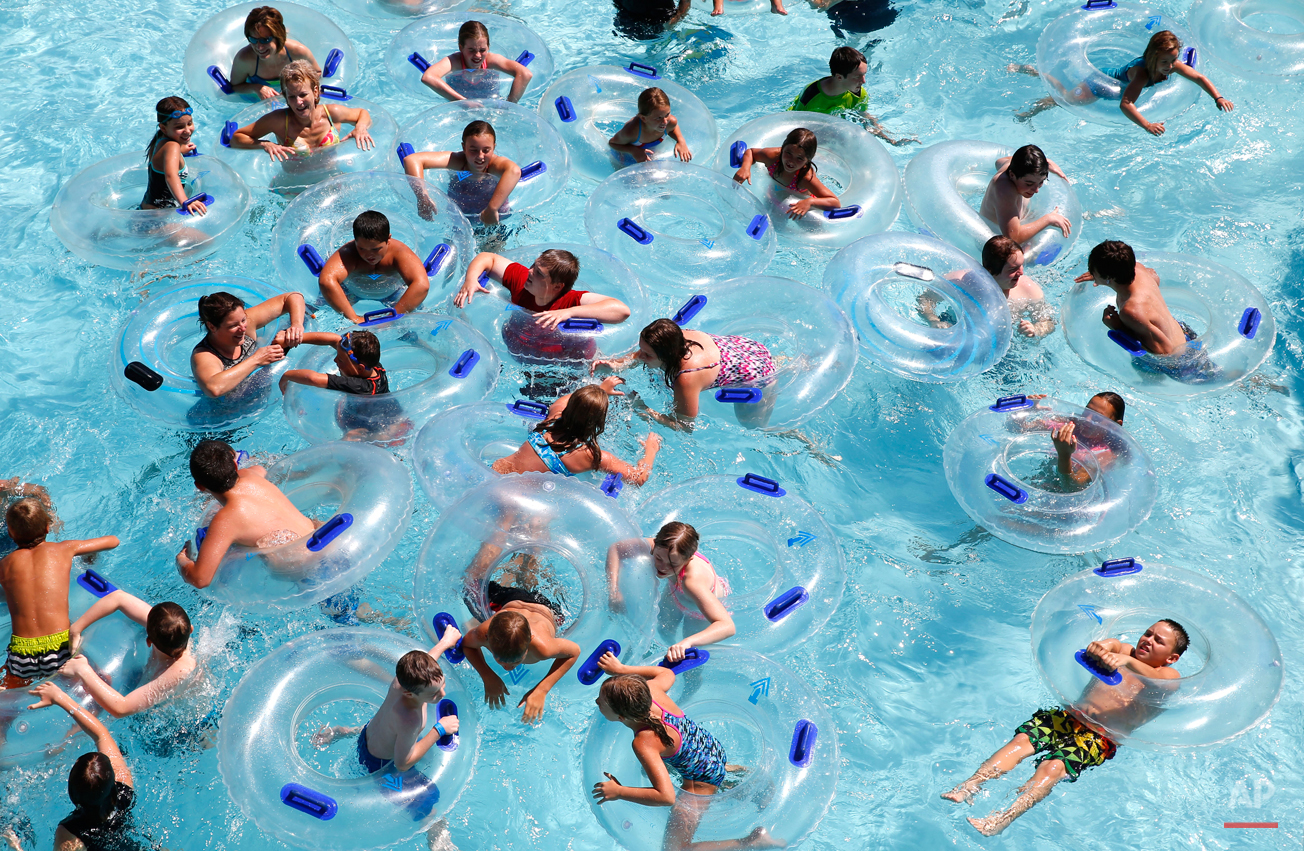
(792, 166)
(304, 125)
(473, 55)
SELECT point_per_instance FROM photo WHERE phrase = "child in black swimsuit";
(167, 171)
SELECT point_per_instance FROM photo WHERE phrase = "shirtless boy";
(1003, 260)
(35, 580)
(373, 252)
(521, 631)
(254, 512)
(1141, 310)
(1017, 178)
(1067, 745)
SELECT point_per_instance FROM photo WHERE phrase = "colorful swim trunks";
(1058, 735)
(34, 658)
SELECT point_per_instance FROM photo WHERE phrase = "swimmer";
(257, 67)
(1003, 260)
(478, 160)
(165, 187)
(544, 289)
(1017, 178)
(99, 785)
(1141, 310)
(1069, 746)
(304, 125)
(635, 695)
(254, 512)
(566, 442)
(357, 357)
(1157, 64)
(1110, 406)
(655, 121)
(473, 55)
(843, 91)
(35, 579)
(229, 353)
(694, 362)
(693, 581)
(171, 662)
(373, 252)
(520, 629)
(12, 490)
(792, 166)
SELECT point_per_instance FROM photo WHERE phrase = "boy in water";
(12, 490)
(1003, 260)
(1017, 179)
(254, 512)
(843, 91)
(1068, 746)
(357, 356)
(35, 580)
(521, 631)
(373, 252)
(167, 632)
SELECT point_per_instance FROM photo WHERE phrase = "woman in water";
(257, 67)
(229, 352)
(304, 126)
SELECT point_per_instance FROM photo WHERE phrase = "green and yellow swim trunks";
(33, 658)
(1056, 734)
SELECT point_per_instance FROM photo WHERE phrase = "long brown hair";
(679, 539)
(630, 698)
(584, 418)
(668, 343)
(1164, 41)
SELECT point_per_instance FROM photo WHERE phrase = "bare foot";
(989, 826)
(962, 794)
(777, 8)
(327, 734)
(438, 837)
(760, 838)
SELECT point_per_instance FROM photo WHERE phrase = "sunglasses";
(176, 113)
(268, 40)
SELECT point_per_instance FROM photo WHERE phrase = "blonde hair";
(1161, 42)
(301, 71)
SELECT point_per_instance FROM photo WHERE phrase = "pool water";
(926, 666)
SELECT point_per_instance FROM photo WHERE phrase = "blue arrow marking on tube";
(760, 689)
(517, 674)
(1090, 611)
(434, 332)
(802, 539)
(393, 781)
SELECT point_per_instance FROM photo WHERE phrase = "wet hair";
(1115, 401)
(562, 267)
(679, 538)
(162, 110)
(584, 418)
(168, 627)
(90, 783)
(1114, 261)
(214, 308)
(371, 224)
(1181, 640)
(509, 635)
(996, 251)
(1028, 160)
(470, 30)
(267, 17)
(366, 348)
(1164, 41)
(650, 99)
(28, 522)
(630, 698)
(301, 71)
(416, 670)
(668, 343)
(845, 60)
(479, 128)
(212, 465)
(806, 141)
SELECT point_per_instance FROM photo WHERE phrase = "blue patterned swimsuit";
(700, 755)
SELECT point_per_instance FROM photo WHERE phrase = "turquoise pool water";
(926, 666)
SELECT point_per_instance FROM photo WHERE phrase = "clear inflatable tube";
(432, 362)
(513, 330)
(423, 43)
(588, 105)
(305, 797)
(522, 137)
(362, 494)
(1221, 27)
(213, 48)
(116, 649)
(563, 526)
(1231, 673)
(1232, 320)
(880, 281)
(160, 335)
(782, 561)
(768, 720)
(944, 187)
(303, 170)
(397, 8)
(97, 214)
(851, 163)
(682, 228)
(810, 338)
(1116, 33)
(320, 221)
(1000, 466)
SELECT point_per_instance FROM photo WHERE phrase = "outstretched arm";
(662, 678)
(720, 625)
(51, 695)
(563, 652)
(1205, 83)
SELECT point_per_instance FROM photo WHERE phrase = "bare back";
(35, 583)
(1001, 201)
(255, 509)
(543, 626)
(1142, 310)
(392, 718)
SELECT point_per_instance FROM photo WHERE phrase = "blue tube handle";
(222, 82)
(1094, 5)
(589, 672)
(1119, 567)
(443, 709)
(802, 748)
(525, 58)
(335, 93)
(638, 69)
(785, 604)
(1006, 488)
(310, 801)
(228, 130)
(565, 109)
(404, 150)
(760, 484)
(312, 259)
(332, 63)
(691, 308)
(378, 317)
(200, 534)
(533, 170)
(736, 151)
(843, 213)
(580, 324)
(443, 621)
(184, 209)
(1005, 404)
(694, 657)
(1129, 344)
(612, 485)
(1249, 324)
(529, 410)
(329, 531)
(437, 258)
(632, 230)
(1109, 678)
(1191, 57)
(96, 584)
(419, 62)
(760, 224)
(465, 363)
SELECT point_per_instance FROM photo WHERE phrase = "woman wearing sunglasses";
(257, 68)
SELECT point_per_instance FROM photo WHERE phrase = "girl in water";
(473, 55)
(229, 352)
(566, 442)
(257, 68)
(792, 167)
(165, 152)
(304, 126)
(649, 128)
(486, 174)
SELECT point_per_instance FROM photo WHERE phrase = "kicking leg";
(1015, 751)
(687, 814)
(1047, 775)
